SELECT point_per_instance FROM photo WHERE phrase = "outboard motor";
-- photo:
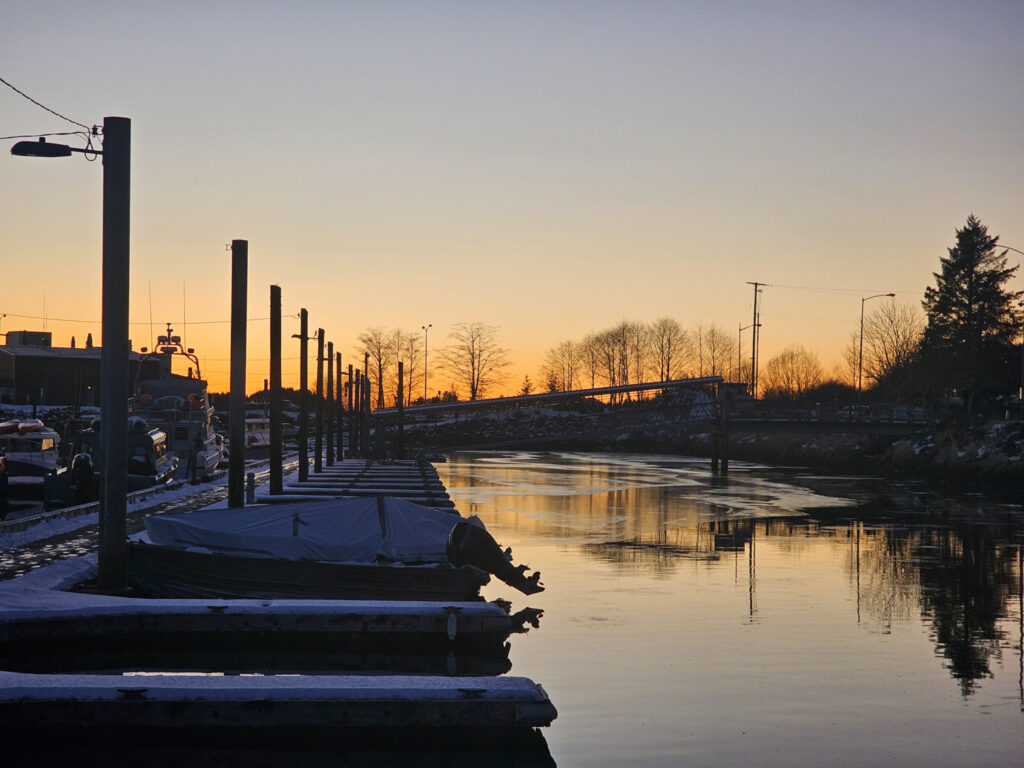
(83, 478)
(471, 544)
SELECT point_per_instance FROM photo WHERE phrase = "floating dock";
(354, 478)
(321, 701)
(77, 661)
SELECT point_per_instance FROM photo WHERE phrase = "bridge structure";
(715, 407)
(542, 399)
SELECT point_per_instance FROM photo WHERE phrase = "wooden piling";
(364, 438)
(351, 414)
(400, 427)
(329, 405)
(276, 449)
(236, 458)
(303, 436)
(339, 408)
(357, 414)
(117, 138)
(318, 432)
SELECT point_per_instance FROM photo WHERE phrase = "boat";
(180, 407)
(149, 463)
(29, 449)
(379, 548)
(257, 437)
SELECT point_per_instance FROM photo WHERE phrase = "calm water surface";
(770, 618)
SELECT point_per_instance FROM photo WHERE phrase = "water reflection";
(907, 554)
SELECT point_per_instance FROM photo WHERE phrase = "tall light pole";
(860, 355)
(739, 351)
(116, 152)
(426, 329)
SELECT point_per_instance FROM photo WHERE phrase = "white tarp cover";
(334, 530)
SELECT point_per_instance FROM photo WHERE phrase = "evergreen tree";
(972, 318)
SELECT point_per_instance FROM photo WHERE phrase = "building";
(32, 372)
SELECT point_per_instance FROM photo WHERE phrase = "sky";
(547, 168)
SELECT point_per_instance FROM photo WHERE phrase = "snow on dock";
(42, 619)
(185, 701)
(356, 478)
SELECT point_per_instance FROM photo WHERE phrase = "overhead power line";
(43, 106)
(37, 135)
(49, 319)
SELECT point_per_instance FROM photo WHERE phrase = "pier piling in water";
(236, 459)
(276, 449)
(329, 405)
(303, 436)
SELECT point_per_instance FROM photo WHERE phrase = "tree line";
(471, 364)
(958, 346)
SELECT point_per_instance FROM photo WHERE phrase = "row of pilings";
(342, 404)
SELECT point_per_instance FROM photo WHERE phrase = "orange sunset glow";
(548, 169)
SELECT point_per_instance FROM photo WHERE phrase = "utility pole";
(756, 335)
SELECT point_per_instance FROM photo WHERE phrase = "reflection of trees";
(958, 571)
(888, 586)
(967, 581)
(960, 578)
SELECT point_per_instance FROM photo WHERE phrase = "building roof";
(60, 353)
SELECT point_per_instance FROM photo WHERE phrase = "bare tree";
(607, 358)
(561, 365)
(698, 349)
(378, 343)
(638, 340)
(670, 347)
(590, 357)
(791, 373)
(719, 352)
(408, 347)
(845, 370)
(892, 334)
(475, 358)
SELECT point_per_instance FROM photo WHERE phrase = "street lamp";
(116, 152)
(860, 356)
(739, 350)
(426, 329)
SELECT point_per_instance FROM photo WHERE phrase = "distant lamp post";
(739, 350)
(116, 152)
(426, 329)
(860, 355)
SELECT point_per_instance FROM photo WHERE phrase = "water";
(771, 618)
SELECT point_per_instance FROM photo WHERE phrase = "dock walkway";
(73, 658)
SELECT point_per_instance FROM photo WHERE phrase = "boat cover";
(372, 529)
